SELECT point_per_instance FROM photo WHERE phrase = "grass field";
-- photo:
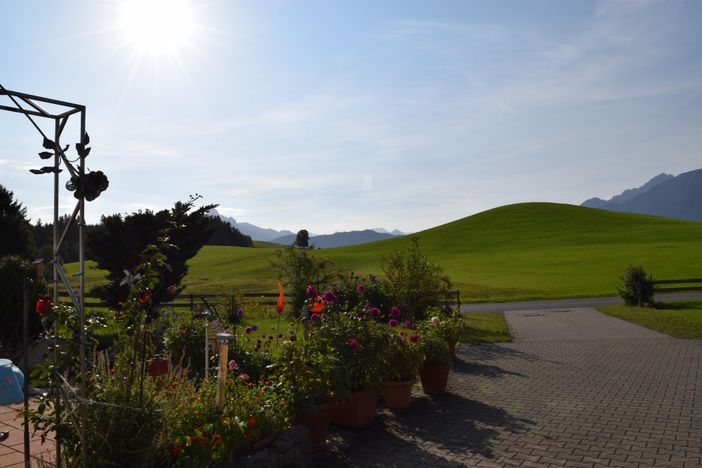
(678, 319)
(516, 252)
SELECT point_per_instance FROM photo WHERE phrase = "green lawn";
(516, 252)
(678, 319)
(489, 327)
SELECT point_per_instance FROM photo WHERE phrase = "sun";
(157, 27)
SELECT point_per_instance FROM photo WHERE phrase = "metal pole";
(81, 300)
(57, 398)
(25, 389)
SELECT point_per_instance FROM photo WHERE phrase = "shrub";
(413, 282)
(13, 269)
(435, 350)
(297, 268)
(638, 288)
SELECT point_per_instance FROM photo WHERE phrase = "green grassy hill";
(515, 252)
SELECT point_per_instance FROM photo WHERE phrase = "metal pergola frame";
(31, 107)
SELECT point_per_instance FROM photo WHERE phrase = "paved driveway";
(575, 388)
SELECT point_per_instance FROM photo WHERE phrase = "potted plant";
(403, 360)
(358, 344)
(310, 379)
(436, 359)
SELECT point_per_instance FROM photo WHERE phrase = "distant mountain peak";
(664, 195)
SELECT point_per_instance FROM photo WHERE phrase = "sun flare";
(157, 26)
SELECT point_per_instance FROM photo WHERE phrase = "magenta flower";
(232, 365)
(239, 313)
(414, 337)
(353, 342)
(395, 312)
(254, 327)
(314, 317)
(360, 288)
(249, 330)
(393, 322)
(409, 324)
(310, 291)
(375, 312)
(328, 296)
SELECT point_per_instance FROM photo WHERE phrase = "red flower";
(353, 342)
(175, 451)
(144, 298)
(216, 438)
(251, 422)
(43, 306)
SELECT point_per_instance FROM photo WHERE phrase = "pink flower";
(409, 324)
(353, 342)
(414, 337)
(244, 378)
(360, 288)
(232, 365)
(310, 291)
(375, 312)
(435, 321)
(328, 296)
(393, 322)
(395, 312)
(314, 317)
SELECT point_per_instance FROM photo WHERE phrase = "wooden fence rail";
(690, 281)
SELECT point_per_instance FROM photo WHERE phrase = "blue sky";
(334, 116)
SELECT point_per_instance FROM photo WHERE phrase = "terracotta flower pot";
(397, 395)
(317, 423)
(434, 378)
(357, 412)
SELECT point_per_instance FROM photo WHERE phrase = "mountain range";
(285, 237)
(339, 239)
(677, 197)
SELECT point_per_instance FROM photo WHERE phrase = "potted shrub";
(358, 344)
(450, 327)
(310, 379)
(403, 359)
(435, 365)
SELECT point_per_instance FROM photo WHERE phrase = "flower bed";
(348, 341)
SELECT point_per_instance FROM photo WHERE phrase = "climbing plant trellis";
(85, 186)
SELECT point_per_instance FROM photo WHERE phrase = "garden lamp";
(223, 340)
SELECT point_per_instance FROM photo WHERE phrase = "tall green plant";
(637, 287)
(413, 281)
(298, 268)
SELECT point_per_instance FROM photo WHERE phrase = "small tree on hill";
(302, 239)
(298, 268)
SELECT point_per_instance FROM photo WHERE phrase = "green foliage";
(435, 350)
(307, 374)
(15, 231)
(638, 288)
(302, 239)
(225, 234)
(43, 238)
(403, 356)
(13, 270)
(414, 283)
(297, 268)
(118, 244)
(184, 341)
